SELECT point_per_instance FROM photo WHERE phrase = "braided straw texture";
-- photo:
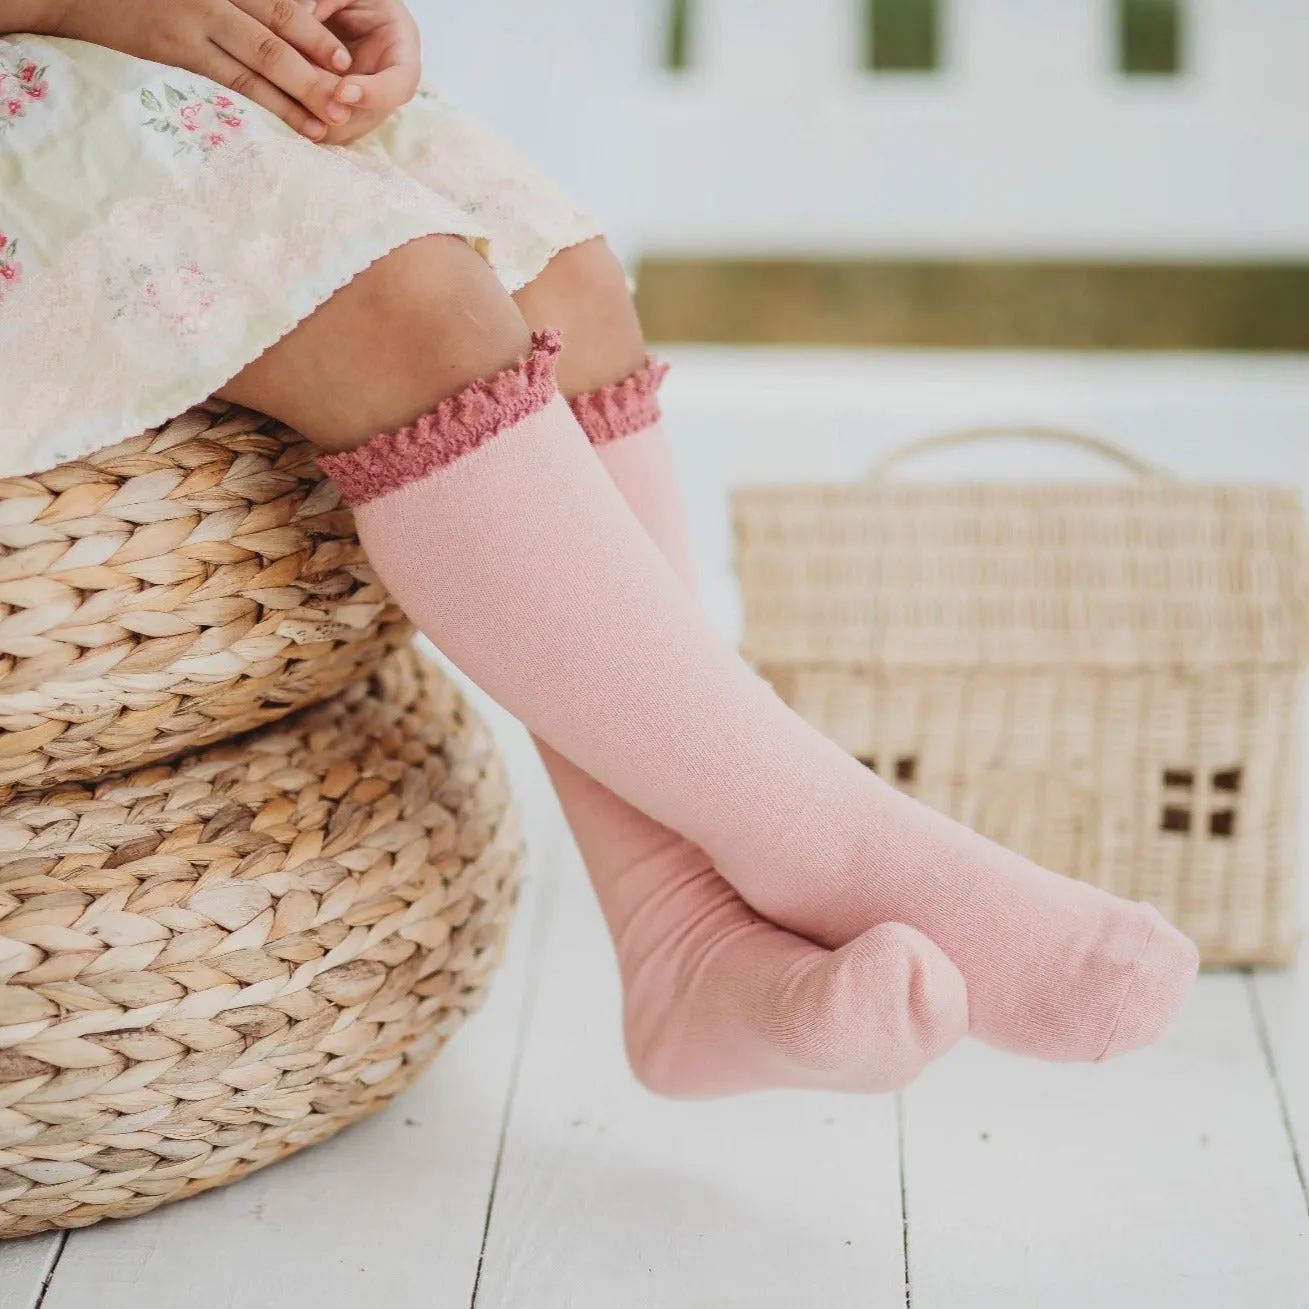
(1144, 575)
(205, 966)
(1103, 677)
(172, 590)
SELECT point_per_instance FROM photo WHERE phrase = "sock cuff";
(456, 427)
(628, 407)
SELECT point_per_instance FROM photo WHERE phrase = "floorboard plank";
(390, 1213)
(1163, 1178)
(1282, 999)
(24, 1266)
(609, 1196)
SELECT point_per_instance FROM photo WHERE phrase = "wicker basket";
(172, 590)
(1104, 677)
(206, 966)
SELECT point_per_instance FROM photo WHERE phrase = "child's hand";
(275, 52)
(382, 38)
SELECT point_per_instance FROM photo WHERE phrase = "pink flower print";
(10, 268)
(18, 87)
(193, 120)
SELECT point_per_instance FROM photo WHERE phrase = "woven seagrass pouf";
(173, 590)
(207, 965)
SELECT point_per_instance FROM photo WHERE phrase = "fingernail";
(314, 130)
(338, 113)
(341, 61)
(350, 94)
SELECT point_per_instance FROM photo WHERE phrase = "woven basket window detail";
(1222, 823)
(904, 769)
(1229, 779)
(1175, 819)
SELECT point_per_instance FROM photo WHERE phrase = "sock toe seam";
(1132, 980)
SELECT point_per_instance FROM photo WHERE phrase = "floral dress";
(157, 233)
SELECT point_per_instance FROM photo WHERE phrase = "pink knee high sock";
(499, 532)
(717, 1000)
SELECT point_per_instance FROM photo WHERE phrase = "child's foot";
(718, 1001)
(1055, 968)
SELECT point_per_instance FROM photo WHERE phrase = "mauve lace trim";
(457, 427)
(630, 406)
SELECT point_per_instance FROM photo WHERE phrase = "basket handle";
(1049, 435)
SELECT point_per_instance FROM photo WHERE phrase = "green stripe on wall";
(998, 304)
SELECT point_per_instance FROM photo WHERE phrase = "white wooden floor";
(528, 1171)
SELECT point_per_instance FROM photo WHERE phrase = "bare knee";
(411, 330)
(583, 291)
(442, 298)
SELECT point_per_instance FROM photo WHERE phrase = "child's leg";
(1032, 998)
(607, 376)
(716, 999)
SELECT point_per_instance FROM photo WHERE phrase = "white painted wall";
(566, 81)
(1028, 142)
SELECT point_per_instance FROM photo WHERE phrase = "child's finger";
(324, 9)
(383, 91)
(231, 73)
(298, 27)
(263, 52)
